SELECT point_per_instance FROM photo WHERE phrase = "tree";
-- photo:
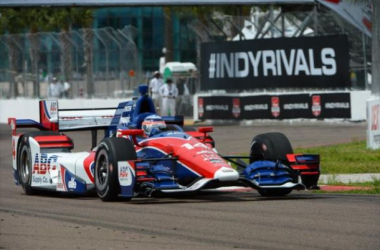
(375, 48)
(84, 18)
(11, 23)
(36, 19)
(375, 87)
(64, 18)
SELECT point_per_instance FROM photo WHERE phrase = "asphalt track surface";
(239, 220)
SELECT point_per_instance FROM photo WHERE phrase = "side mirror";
(205, 129)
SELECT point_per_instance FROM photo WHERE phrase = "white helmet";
(153, 124)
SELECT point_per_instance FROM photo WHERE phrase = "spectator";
(66, 90)
(169, 93)
(55, 89)
(154, 86)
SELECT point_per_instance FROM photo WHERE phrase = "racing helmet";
(153, 124)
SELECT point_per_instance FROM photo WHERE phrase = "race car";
(129, 162)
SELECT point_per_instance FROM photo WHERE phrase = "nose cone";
(226, 174)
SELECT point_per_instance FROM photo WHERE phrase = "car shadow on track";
(205, 197)
(202, 197)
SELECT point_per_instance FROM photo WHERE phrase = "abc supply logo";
(53, 107)
(236, 107)
(43, 163)
(200, 107)
(53, 111)
(316, 105)
(275, 109)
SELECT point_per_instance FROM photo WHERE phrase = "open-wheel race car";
(138, 158)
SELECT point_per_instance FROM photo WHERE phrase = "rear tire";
(270, 146)
(24, 166)
(110, 152)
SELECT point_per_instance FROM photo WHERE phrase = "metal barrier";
(95, 63)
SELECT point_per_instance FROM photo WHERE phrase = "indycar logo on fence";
(275, 106)
(316, 105)
(200, 107)
(236, 107)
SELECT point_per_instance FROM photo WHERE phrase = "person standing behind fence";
(169, 93)
(154, 86)
(66, 90)
(55, 89)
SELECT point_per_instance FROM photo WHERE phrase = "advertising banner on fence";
(302, 62)
(373, 130)
(290, 106)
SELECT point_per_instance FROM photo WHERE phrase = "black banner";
(302, 62)
(320, 106)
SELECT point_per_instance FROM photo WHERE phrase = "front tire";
(110, 152)
(273, 147)
(270, 146)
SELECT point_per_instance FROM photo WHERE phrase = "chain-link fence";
(95, 62)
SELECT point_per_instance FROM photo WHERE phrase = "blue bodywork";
(131, 114)
(268, 173)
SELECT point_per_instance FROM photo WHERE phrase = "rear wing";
(54, 119)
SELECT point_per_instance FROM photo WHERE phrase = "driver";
(153, 124)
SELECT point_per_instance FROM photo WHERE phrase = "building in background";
(150, 31)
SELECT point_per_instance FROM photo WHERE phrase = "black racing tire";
(270, 146)
(274, 192)
(110, 151)
(24, 166)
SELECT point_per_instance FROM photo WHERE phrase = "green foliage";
(18, 20)
(11, 21)
(64, 18)
(351, 157)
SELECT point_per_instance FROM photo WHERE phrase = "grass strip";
(347, 158)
